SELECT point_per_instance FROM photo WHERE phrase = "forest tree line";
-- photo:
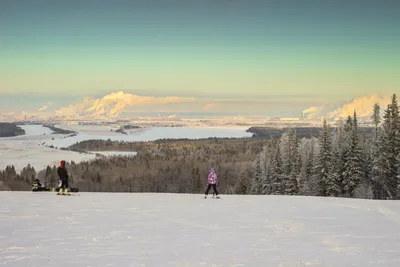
(179, 166)
(342, 161)
(10, 129)
(339, 163)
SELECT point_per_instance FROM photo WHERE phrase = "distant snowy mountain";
(117, 229)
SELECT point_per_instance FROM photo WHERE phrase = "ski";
(68, 194)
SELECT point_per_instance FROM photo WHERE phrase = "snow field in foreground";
(122, 229)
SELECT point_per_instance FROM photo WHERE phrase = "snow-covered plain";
(115, 153)
(122, 229)
(33, 147)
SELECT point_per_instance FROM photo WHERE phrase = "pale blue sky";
(305, 52)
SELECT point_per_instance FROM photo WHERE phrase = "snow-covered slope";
(115, 229)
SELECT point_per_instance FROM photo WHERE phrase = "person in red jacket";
(63, 174)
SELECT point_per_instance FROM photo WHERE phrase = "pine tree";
(243, 183)
(348, 126)
(334, 180)
(398, 177)
(269, 167)
(267, 184)
(341, 147)
(256, 183)
(385, 169)
(376, 119)
(306, 177)
(291, 182)
(310, 165)
(275, 171)
(381, 170)
(378, 171)
(396, 144)
(353, 174)
(324, 160)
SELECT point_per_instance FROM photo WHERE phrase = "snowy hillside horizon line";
(201, 195)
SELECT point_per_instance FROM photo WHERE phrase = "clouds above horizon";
(120, 104)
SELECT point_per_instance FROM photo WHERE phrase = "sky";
(268, 56)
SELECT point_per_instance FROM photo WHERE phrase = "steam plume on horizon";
(209, 106)
(363, 106)
(45, 107)
(113, 104)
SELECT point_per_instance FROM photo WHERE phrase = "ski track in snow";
(118, 229)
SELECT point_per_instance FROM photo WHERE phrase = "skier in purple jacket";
(212, 181)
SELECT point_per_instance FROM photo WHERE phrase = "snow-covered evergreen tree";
(376, 119)
(323, 159)
(275, 171)
(366, 147)
(256, 182)
(341, 147)
(385, 164)
(353, 173)
(398, 177)
(396, 144)
(291, 181)
(333, 186)
(268, 155)
(381, 170)
(285, 152)
(307, 166)
(243, 183)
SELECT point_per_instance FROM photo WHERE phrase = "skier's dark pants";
(64, 184)
(214, 186)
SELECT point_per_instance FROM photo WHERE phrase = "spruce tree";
(266, 177)
(243, 183)
(381, 170)
(333, 187)
(376, 119)
(275, 171)
(256, 183)
(285, 151)
(385, 163)
(396, 144)
(341, 148)
(353, 165)
(267, 184)
(291, 182)
(398, 177)
(307, 173)
(324, 160)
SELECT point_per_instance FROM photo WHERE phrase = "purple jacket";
(212, 177)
